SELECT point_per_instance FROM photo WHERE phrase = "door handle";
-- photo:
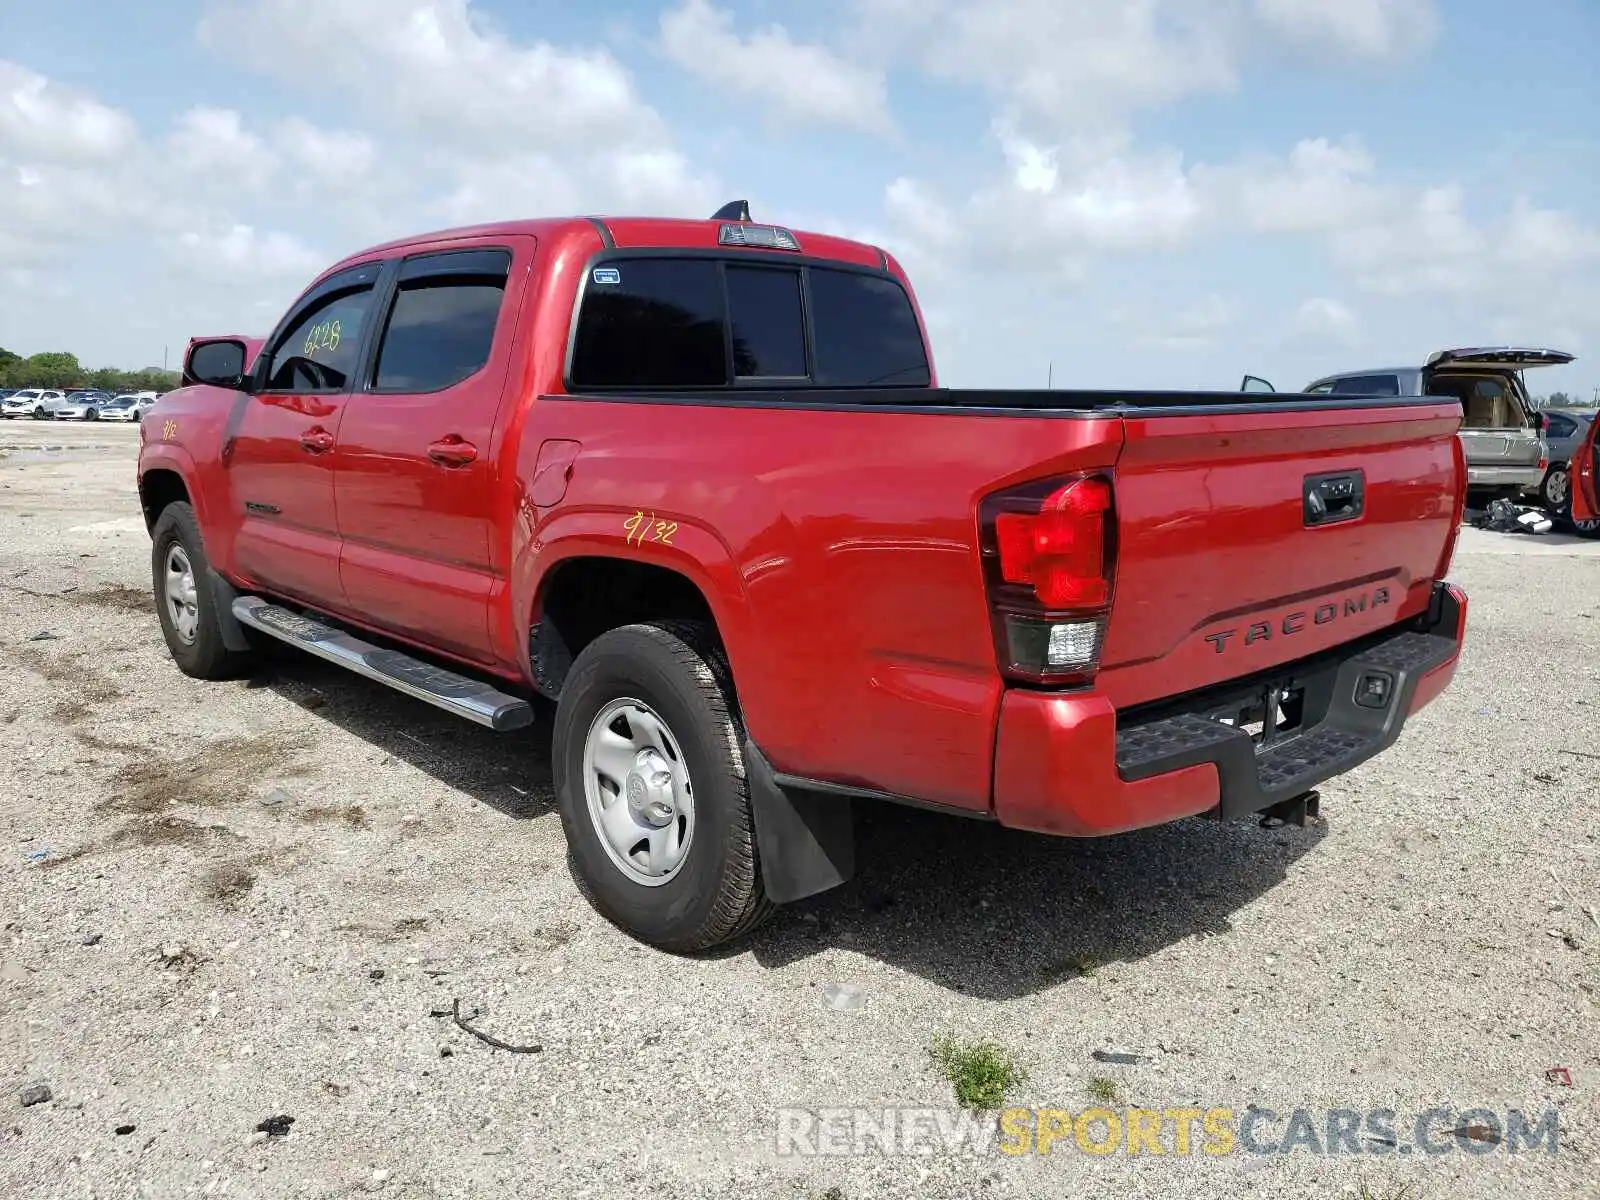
(452, 451)
(316, 440)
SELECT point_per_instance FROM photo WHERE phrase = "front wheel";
(649, 775)
(92, 415)
(185, 604)
(39, 414)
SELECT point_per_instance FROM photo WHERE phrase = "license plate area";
(1271, 715)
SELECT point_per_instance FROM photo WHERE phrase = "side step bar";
(444, 689)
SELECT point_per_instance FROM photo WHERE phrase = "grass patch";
(981, 1072)
(1074, 967)
(1102, 1090)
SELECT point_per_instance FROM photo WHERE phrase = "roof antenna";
(734, 210)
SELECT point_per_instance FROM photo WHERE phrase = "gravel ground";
(228, 902)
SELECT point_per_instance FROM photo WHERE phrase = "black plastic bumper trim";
(1336, 731)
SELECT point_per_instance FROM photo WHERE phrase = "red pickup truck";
(695, 482)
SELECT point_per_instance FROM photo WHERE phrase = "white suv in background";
(33, 402)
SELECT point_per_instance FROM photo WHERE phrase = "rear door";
(1586, 476)
(416, 461)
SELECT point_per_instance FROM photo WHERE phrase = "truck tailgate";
(1227, 565)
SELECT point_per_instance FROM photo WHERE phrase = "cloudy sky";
(1161, 193)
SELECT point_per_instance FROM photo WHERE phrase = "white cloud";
(1323, 185)
(44, 122)
(437, 68)
(1324, 317)
(329, 156)
(800, 80)
(245, 252)
(1375, 29)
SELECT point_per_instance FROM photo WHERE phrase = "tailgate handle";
(1331, 498)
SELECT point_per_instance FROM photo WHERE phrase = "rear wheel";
(649, 776)
(185, 604)
(1556, 490)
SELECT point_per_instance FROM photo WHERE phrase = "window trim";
(368, 276)
(391, 297)
(802, 262)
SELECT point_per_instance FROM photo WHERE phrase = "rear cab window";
(666, 321)
(1367, 385)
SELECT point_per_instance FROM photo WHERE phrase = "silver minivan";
(1500, 431)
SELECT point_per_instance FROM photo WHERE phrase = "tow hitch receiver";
(1294, 811)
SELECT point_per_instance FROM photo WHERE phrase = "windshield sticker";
(607, 275)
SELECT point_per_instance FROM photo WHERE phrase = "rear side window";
(652, 322)
(662, 322)
(865, 330)
(1558, 426)
(441, 326)
(1368, 385)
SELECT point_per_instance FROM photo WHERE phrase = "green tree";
(1559, 400)
(51, 368)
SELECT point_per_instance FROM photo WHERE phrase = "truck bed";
(845, 521)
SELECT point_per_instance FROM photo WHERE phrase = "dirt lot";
(228, 902)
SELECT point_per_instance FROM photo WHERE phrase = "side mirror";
(217, 362)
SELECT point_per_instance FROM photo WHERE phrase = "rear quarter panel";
(839, 552)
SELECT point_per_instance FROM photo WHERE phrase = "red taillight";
(1049, 556)
(1060, 550)
(1458, 509)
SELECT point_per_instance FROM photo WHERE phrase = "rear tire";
(185, 604)
(1556, 490)
(632, 690)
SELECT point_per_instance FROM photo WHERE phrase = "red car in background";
(1585, 513)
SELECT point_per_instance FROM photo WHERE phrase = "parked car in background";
(1500, 430)
(81, 406)
(1564, 431)
(38, 403)
(122, 408)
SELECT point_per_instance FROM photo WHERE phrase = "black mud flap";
(223, 594)
(806, 840)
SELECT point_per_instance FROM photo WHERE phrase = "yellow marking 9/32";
(643, 527)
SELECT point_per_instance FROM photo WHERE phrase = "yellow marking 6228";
(325, 335)
(643, 527)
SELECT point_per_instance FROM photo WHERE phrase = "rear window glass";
(661, 322)
(769, 336)
(652, 322)
(866, 332)
(1367, 385)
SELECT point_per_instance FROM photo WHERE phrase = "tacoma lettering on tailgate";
(1295, 622)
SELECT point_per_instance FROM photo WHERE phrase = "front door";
(279, 449)
(417, 463)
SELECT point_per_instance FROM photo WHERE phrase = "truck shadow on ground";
(999, 914)
(983, 911)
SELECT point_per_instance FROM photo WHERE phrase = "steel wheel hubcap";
(1556, 488)
(183, 602)
(637, 790)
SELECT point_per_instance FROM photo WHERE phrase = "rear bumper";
(1069, 764)
(1508, 477)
